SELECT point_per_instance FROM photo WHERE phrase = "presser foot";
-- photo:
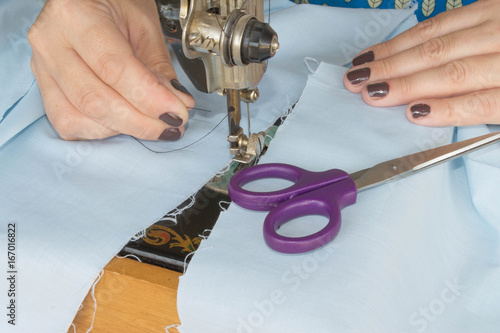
(220, 182)
(245, 149)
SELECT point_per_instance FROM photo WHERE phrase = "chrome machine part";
(222, 45)
(404, 166)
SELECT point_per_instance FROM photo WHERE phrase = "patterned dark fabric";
(426, 8)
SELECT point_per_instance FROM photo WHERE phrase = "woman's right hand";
(103, 68)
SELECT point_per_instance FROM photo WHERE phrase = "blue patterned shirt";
(426, 8)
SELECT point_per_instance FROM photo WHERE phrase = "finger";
(69, 123)
(480, 107)
(432, 53)
(455, 78)
(440, 25)
(116, 65)
(88, 94)
(150, 48)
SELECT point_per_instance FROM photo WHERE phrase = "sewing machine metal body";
(223, 45)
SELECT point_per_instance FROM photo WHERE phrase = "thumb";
(146, 38)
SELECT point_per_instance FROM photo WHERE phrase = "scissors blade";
(404, 166)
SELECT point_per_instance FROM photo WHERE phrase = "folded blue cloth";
(16, 78)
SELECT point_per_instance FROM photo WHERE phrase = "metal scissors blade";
(407, 165)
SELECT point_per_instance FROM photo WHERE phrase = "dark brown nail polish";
(358, 75)
(177, 85)
(363, 58)
(378, 89)
(170, 134)
(171, 119)
(420, 110)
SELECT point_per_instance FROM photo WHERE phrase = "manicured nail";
(378, 89)
(363, 58)
(170, 134)
(420, 110)
(358, 75)
(171, 119)
(177, 85)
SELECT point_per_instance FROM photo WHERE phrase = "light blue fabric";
(75, 204)
(16, 78)
(417, 255)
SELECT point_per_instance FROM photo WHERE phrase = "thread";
(224, 203)
(176, 326)
(138, 236)
(187, 146)
(129, 256)
(95, 301)
(172, 217)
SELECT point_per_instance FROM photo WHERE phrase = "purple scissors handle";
(313, 193)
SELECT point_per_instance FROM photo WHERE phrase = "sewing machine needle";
(248, 117)
(234, 117)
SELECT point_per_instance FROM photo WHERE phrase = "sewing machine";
(223, 45)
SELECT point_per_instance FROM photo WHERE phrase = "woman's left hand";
(447, 69)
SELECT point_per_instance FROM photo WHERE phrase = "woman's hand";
(446, 68)
(103, 68)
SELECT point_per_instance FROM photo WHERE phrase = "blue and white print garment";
(426, 8)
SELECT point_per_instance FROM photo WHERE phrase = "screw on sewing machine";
(246, 148)
(195, 40)
(249, 95)
(246, 95)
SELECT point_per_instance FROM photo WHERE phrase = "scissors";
(327, 193)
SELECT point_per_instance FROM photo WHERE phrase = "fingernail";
(420, 110)
(177, 85)
(378, 89)
(359, 75)
(363, 58)
(170, 134)
(171, 119)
